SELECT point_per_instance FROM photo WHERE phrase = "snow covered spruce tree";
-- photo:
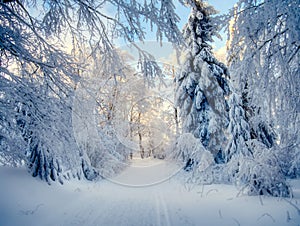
(38, 72)
(256, 65)
(238, 130)
(249, 162)
(202, 85)
(263, 59)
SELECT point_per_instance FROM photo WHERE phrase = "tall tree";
(202, 84)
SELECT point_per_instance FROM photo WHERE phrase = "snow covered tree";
(249, 163)
(202, 85)
(11, 140)
(39, 72)
(259, 46)
(238, 129)
(263, 60)
(259, 173)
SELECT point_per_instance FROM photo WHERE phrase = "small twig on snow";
(266, 214)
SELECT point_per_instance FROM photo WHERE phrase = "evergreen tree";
(261, 34)
(263, 60)
(202, 84)
(249, 162)
(239, 130)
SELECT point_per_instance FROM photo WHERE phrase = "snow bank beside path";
(28, 201)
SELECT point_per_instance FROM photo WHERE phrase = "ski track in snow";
(162, 212)
(27, 201)
(158, 216)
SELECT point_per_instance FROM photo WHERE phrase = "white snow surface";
(148, 192)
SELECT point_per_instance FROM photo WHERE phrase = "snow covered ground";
(146, 193)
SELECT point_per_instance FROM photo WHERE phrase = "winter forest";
(85, 93)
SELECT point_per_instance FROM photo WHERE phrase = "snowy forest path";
(134, 197)
(146, 172)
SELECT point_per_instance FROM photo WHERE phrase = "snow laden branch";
(45, 49)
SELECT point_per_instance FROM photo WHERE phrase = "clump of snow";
(188, 148)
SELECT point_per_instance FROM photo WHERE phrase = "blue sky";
(222, 6)
(165, 51)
